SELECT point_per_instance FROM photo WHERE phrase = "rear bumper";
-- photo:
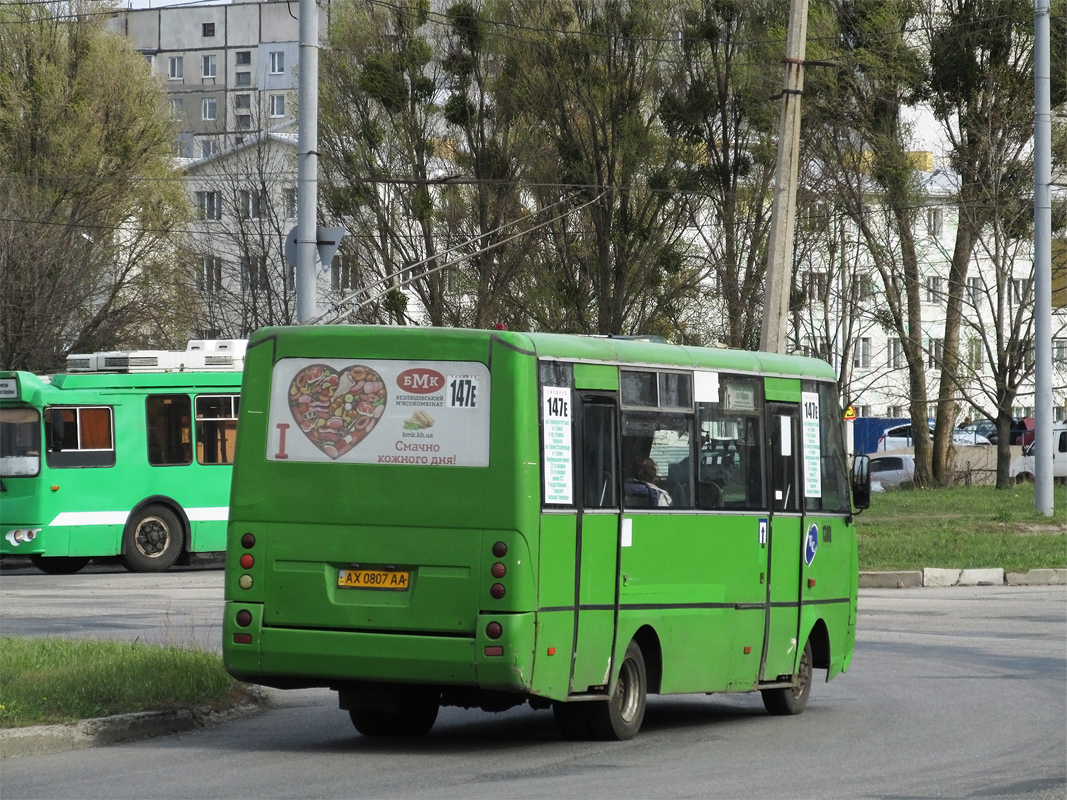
(289, 657)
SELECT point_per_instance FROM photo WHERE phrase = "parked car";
(888, 472)
(1023, 468)
(1021, 432)
(900, 436)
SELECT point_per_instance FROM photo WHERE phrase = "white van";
(1022, 468)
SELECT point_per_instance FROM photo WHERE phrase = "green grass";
(962, 527)
(51, 680)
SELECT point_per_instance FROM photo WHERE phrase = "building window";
(177, 106)
(861, 410)
(861, 353)
(974, 289)
(1059, 353)
(277, 105)
(244, 122)
(208, 147)
(975, 354)
(289, 198)
(277, 62)
(936, 354)
(253, 273)
(176, 68)
(243, 58)
(253, 205)
(243, 79)
(1022, 290)
(815, 284)
(209, 205)
(208, 29)
(209, 108)
(895, 412)
(342, 274)
(210, 67)
(934, 219)
(934, 284)
(242, 102)
(896, 354)
(209, 280)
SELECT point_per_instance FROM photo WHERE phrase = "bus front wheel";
(620, 718)
(59, 565)
(785, 702)
(152, 541)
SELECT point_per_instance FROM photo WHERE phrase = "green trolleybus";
(126, 454)
(424, 517)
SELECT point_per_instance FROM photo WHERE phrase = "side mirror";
(861, 482)
(56, 443)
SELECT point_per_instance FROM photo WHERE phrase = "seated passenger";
(641, 490)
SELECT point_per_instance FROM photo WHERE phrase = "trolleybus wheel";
(59, 565)
(620, 718)
(784, 702)
(152, 541)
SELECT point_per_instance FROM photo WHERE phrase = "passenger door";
(785, 540)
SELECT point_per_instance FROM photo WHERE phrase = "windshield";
(20, 442)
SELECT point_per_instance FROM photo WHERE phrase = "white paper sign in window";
(557, 457)
(809, 402)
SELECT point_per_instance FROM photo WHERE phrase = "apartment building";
(229, 70)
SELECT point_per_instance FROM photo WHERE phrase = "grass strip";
(962, 527)
(53, 680)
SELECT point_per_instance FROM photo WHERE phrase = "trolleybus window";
(20, 442)
(216, 428)
(731, 470)
(79, 436)
(169, 436)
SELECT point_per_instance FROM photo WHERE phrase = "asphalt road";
(955, 692)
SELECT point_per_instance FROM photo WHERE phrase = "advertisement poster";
(366, 411)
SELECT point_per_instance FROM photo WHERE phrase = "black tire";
(791, 701)
(620, 718)
(152, 540)
(59, 565)
(414, 718)
(1024, 477)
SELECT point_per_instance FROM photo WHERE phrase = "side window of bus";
(834, 478)
(169, 433)
(216, 428)
(599, 454)
(657, 442)
(731, 463)
(79, 436)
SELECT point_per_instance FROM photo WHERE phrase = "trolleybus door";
(597, 540)
(785, 542)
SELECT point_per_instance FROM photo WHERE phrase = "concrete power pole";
(307, 165)
(783, 209)
(1042, 260)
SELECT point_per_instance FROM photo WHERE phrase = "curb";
(934, 576)
(45, 739)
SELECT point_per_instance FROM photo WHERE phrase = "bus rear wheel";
(786, 702)
(152, 540)
(59, 565)
(620, 718)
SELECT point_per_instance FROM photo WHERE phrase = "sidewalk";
(934, 576)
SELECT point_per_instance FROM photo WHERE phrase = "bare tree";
(91, 209)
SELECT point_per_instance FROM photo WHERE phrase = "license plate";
(392, 579)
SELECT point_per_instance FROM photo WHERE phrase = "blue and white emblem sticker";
(811, 544)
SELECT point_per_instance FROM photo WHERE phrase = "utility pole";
(307, 167)
(1042, 260)
(779, 278)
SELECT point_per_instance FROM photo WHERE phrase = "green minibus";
(425, 517)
